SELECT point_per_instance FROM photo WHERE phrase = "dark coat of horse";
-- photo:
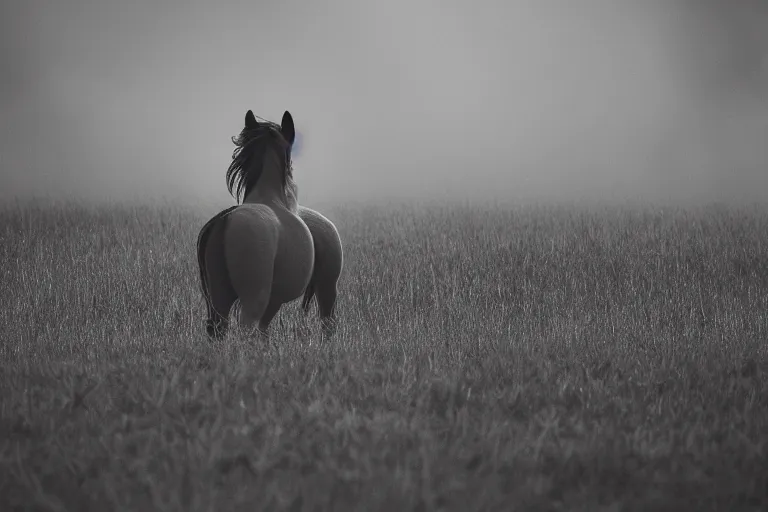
(268, 250)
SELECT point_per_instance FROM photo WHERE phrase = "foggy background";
(403, 99)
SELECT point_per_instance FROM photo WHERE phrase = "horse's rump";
(202, 242)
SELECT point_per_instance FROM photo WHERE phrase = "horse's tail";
(213, 318)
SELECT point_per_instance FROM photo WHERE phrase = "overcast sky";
(504, 99)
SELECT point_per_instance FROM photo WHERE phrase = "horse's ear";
(250, 120)
(287, 128)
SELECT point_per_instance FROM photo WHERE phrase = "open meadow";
(522, 358)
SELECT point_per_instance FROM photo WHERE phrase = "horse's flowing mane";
(248, 158)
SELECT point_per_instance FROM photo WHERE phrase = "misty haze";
(520, 101)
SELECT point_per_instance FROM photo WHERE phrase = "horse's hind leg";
(221, 295)
(306, 302)
(222, 298)
(326, 305)
(253, 310)
(254, 288)
(267, 317)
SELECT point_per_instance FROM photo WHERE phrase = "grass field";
(532, 358)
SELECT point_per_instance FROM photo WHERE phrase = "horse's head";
(261, 161)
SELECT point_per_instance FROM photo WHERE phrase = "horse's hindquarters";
(329, 258)
(294, 260)
(215, 283)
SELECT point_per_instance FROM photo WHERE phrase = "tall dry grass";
(536, 358)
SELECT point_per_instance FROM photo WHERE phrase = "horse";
(267, 250)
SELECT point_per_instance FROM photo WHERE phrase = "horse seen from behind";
(267, 250)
